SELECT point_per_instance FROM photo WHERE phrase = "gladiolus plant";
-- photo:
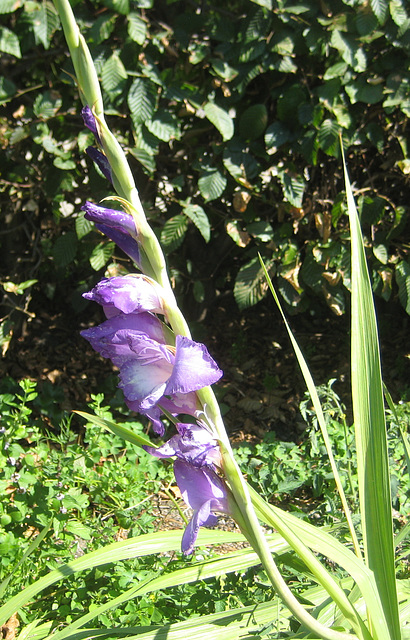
(167, 377)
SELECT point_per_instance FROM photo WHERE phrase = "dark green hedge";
(231, 114)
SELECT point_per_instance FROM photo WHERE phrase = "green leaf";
(78, 529)
(370, 431)
(328, 136)
(9, 42)
(101, 254)
(264, 3)
(45, 21)
(253, 122)
(145, 158)
(398, 12)
(146, 544)
(164, 126)
(65, 249)
(173, 232)
(102, 28)
(120, 6)
(117, 429)
(7, 91)
(200, 220)
(137, 29)
(293, 188)
(65, 165)
(276, 135)
(250, 284)
(220, 119)
(113, 75)
(381, 253)
(211, 184)
(82, 226)
(142, 98)
(403, 282)
(380, 8)
(7, 6)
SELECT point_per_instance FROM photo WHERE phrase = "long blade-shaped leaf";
(134, 547)
(370, 429)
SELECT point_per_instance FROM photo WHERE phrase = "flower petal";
(201, 517)
(101, 161)
(127, 294)
(193, 369)
(200, 484)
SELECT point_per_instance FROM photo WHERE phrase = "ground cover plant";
(164, 375)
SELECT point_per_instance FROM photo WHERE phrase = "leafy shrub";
(232, 116)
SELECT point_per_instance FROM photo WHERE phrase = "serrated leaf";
(220, 119)
(211, 184)
(65, 249)
(9, 42)
(239, 162)
(102, 28)
(164, 126)
(45, 21)
(142, 98)
(328, 136)
(379, 8)
(276, 135)
(7, 6)
(293, 188)
(47, 104)
(250, 284)
(145, 158)
(101, 254)
(137, 29)
(113, 75)
(403, 282)
(398, 12)
(82, 226)
(200, 220)
(173, 232)
(253, 122)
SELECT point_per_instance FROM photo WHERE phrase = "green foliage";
(230, 121)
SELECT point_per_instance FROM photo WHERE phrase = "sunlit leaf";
(220, 119)
(173, 232)
(211, 184)
(9, 42)
(200, 220)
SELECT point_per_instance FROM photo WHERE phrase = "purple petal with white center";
(144, 376)
(193, 369)
(101, 161)
(111, 338)
(126, 294)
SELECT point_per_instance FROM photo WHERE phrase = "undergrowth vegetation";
(83, 491)
(231, 119)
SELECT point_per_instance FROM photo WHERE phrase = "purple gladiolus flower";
(193, 443)
(117, 225)
(205, 492)
(152, 372)
(101, 161)
(127, 294)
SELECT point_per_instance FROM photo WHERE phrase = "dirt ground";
(262, 385)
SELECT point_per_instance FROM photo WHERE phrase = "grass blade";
(319, 413)
(370, 429)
